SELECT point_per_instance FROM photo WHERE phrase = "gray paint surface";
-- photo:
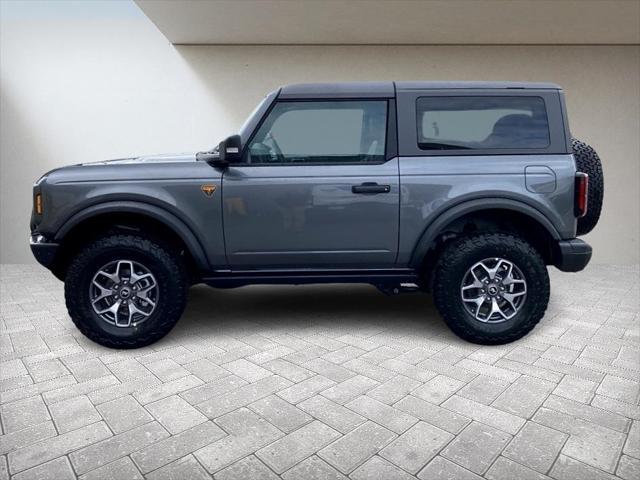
(306, 216)
(172, 184)
(299, 216)
(431, 186)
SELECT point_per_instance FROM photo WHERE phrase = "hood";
(159, 158)
(138, 168)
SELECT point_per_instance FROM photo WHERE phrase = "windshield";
(250, 123)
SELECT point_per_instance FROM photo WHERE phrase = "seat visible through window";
(515, 131)
(481, 123)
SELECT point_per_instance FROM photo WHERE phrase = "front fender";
(152, 211)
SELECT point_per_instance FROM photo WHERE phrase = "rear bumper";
(573, 255)
(44, 250)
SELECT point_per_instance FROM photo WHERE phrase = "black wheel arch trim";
(469, 206)
(157, 213)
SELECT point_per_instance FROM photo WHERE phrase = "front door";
(316, 188)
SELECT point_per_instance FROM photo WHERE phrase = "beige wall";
(396, 22)
(81, 89)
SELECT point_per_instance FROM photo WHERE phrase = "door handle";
(370, 187)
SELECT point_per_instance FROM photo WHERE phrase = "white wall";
(90, 81)
(395, 22)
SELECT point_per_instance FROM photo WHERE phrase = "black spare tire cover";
(588, 161)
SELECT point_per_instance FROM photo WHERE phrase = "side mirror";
(230, 149)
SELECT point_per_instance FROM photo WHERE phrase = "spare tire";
(588, 161)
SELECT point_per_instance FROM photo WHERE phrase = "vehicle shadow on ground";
(298, 309)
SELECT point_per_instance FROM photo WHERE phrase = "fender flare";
(157, 213)
(453, 213)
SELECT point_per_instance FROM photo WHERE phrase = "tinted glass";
(321, 132)
(481, 123)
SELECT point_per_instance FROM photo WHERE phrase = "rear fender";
(432, 231)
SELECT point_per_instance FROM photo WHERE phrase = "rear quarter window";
(482, 123)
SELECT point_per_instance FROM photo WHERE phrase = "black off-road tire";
(168, 269)
(588, 161)
(461, 255)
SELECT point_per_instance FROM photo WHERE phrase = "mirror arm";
(218, 163)
(212, 159)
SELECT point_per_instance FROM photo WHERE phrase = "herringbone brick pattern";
(323, 382)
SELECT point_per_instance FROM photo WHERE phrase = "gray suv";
(467, 190)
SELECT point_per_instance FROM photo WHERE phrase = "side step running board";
(393, 277)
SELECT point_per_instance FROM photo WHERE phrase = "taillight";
(38, 204)
(582, 193)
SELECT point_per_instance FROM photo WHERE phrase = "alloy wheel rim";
(124, 293)
(493, 290)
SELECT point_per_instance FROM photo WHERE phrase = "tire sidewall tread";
(453, 264)
(170, 273)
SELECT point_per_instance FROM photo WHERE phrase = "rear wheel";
(491, 288)
(125, 291)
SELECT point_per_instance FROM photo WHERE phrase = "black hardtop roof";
(388, 89)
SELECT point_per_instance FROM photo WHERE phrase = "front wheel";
(125, 291)
(491, 288)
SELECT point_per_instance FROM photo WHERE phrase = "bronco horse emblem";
(208, 189)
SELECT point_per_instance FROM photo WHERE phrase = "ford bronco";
(467, 190)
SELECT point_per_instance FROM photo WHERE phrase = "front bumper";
(573, 255)
(44, 250)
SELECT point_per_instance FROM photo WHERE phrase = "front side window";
(482, 123)
(321, 132)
